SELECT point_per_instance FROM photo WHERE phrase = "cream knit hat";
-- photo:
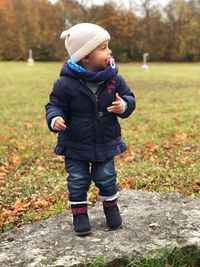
(81, 39)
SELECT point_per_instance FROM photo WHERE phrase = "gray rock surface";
(151, 221)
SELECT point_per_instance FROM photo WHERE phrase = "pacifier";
(110, 60)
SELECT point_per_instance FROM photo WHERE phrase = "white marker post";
(30, 60)
(145, 67)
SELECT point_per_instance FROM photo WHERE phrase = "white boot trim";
(77, 202)
(109, 198)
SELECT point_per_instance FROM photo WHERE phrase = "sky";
(162, 2)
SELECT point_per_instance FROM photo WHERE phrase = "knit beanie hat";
(81, 39)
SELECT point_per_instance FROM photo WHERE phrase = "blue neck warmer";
(90, 76)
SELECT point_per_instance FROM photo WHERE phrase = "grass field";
(163, 138)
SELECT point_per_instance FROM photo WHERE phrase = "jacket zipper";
(96, 102)
(91, 95)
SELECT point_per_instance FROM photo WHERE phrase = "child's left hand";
(117, 106)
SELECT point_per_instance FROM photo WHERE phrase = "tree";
(183, 26)
(170, 33)
(7, 33)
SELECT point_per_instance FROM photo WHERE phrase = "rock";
(151, 221)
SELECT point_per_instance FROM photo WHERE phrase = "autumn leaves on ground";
(163, 138)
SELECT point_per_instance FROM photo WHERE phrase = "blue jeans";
(82, 173)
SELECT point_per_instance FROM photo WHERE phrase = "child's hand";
(60, 125)
(117, 106)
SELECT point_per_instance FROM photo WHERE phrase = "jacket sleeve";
(58, 104)
(128, 96)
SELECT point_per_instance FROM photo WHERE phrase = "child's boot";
(113, 217)
(80, 219)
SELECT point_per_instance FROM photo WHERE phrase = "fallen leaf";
(6, 213)
(3, 183)
(152, 159)
(41, 203)
(129, 183)
(153, 149)
(129, 159)
(180, 136)
(18, 206)
(28, 125)
(126, 185)
(2, 175)
(14, 160)
(59, 159)
(196, 186)
(4, 138)
(63, 196)
(166, 145)
(1, 222)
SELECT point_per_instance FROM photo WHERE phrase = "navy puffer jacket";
(92, 133)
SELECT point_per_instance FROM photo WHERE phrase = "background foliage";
(170, 33)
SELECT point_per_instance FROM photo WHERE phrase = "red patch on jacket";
(111, 86)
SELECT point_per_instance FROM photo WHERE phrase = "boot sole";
(83, 233)
(115, 228)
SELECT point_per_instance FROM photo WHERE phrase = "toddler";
(84, 107)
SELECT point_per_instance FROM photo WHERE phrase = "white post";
(145, 67)
(30, 60)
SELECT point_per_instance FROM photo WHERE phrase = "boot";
(113, 217)
(80, 219)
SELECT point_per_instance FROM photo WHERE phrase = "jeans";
(82, 173)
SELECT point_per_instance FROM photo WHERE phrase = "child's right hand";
(60, 125)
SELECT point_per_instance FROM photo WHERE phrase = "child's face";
(97, 59)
